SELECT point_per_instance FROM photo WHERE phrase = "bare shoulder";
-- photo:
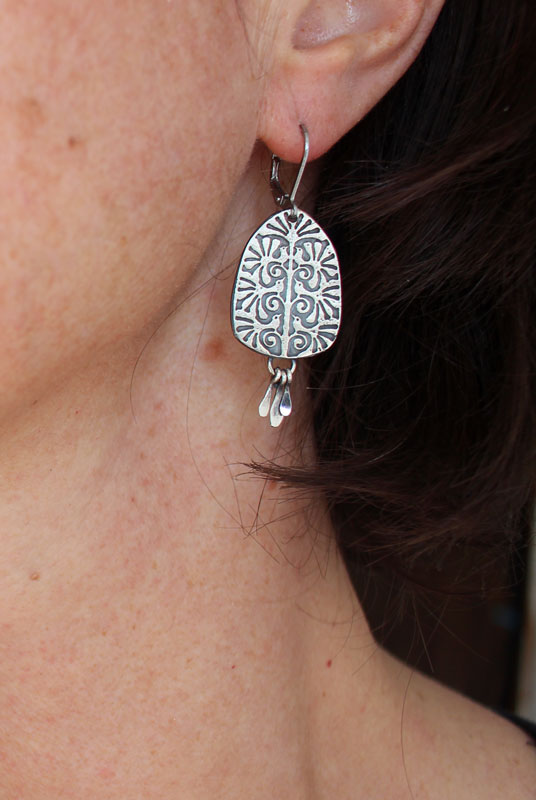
(468, 752)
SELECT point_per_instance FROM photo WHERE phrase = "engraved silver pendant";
(286, 301)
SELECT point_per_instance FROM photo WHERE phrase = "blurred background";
(482, 644)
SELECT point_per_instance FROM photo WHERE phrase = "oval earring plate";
(287, 294)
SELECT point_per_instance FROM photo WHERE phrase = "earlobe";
(333, 61)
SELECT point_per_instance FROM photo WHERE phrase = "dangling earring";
(286, 299)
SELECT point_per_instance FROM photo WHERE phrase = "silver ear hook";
(280, 196)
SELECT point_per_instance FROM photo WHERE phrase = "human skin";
(170, 626)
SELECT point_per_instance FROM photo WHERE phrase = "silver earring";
(286, 301)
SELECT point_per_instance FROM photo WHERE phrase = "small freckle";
(155, 565)
(133, 500)
(329, 663)
(104, 633)
(73, 142)
(31, 115)
(213, 350)
(123, 241)
(35, 576)
(142, 456)
(106, 774)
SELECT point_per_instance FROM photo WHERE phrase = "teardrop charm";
(276, 418)
(266, 402)
(285, 407)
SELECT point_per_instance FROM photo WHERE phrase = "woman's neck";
(169, 620)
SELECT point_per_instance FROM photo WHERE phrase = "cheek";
(122, 133)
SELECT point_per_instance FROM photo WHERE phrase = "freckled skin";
(94, 165)
(117, 168)
(166, 618)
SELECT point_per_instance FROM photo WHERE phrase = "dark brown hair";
(424, 410)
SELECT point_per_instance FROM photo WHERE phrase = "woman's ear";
(332, 61)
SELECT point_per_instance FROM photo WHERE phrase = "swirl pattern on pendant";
(287, 293)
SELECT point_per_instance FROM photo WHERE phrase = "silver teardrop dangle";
(266, 402)
(277, 401)
(286, 300)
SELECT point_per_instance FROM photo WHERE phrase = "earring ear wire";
(280, 196)
(286, 302)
